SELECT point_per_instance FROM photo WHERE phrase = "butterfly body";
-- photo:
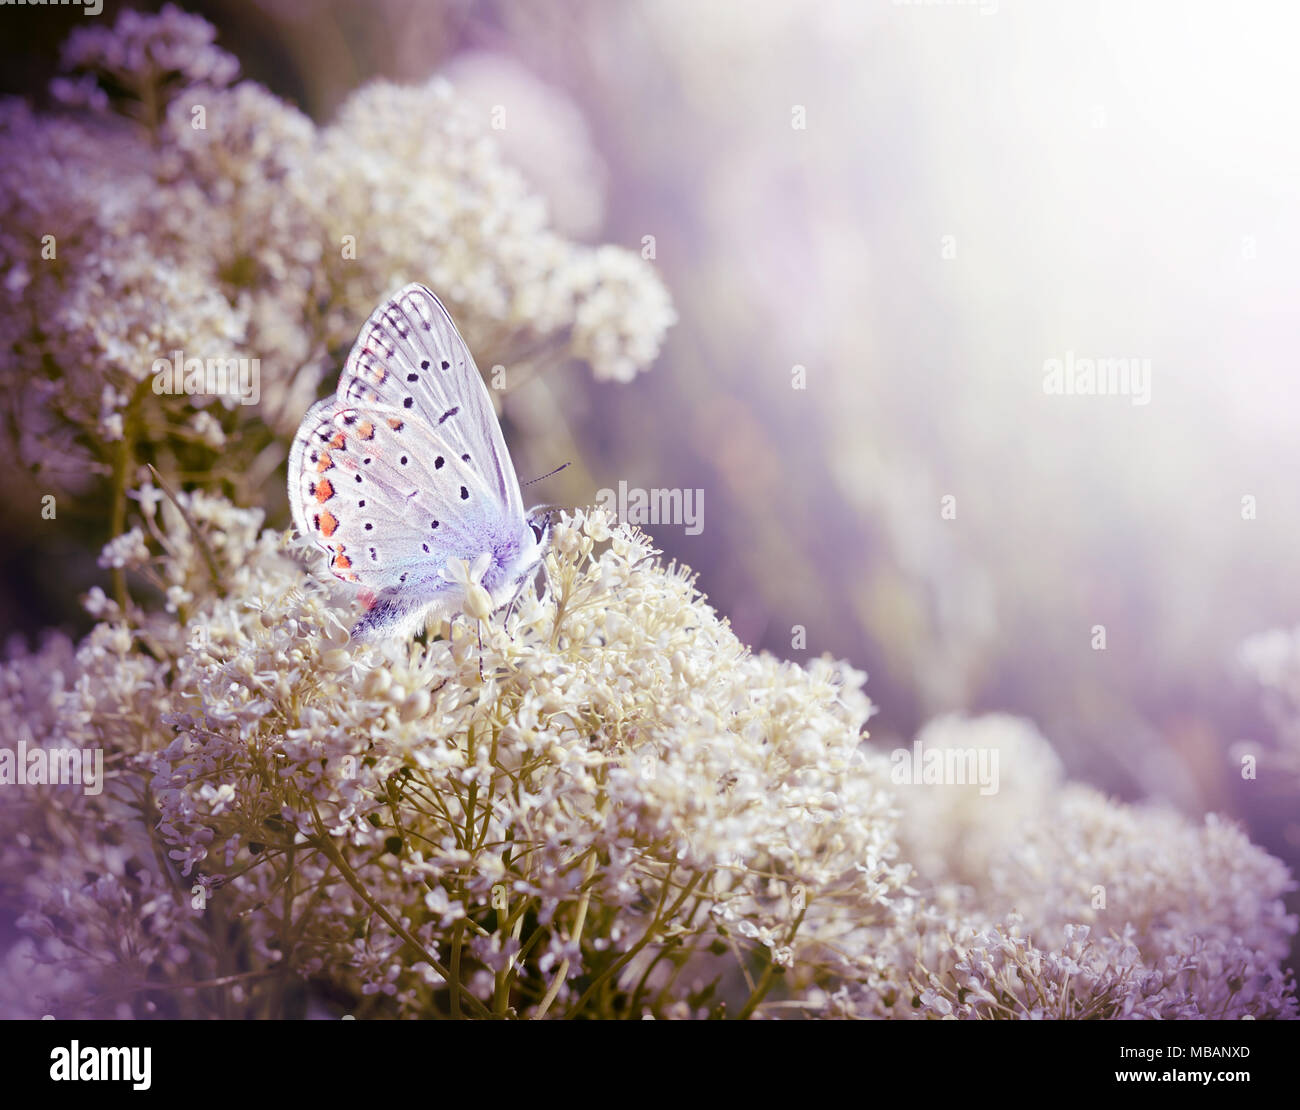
(404, 471)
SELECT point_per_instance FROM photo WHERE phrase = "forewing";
(411, 359)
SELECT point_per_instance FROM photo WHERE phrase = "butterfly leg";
(505, 623)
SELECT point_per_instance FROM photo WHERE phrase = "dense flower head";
(1177, 919)
(171, 41)
(175, 211)
(623, 761)
(139, 54)
(602, 804)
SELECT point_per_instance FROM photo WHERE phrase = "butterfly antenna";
(545, 476)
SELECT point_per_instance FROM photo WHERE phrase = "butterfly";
(405, 469)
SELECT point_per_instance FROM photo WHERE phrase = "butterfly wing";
(405, 466)
(390, 495)
(410, 357)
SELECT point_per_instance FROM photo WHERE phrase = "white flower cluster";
(209, 218)
(626, 786)
(1048, 900)
(171, 42)
(542, 132)
(604, 806)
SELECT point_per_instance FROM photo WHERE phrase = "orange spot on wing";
(338, 441)
(324, 463)
(328, 523)
(324, 490)
(366, 430)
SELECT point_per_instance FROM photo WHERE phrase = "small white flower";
(477, 601)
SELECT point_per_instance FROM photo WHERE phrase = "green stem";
(117, 521)
(457, 939)
(769, 973)
(326, 844)
(200, 539)
(631, 953)
(583, 903)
